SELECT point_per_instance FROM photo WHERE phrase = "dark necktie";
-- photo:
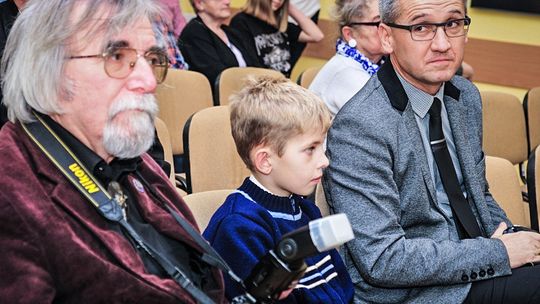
(464, 218)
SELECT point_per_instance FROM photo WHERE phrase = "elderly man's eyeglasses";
(427, 31)
(120, 61)
(365, 23)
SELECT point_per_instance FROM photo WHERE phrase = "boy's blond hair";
(270, 111)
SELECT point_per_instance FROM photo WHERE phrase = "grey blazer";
(379, 177)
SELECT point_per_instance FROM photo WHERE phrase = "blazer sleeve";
(24, 275)
(201, 54)
(360, 182)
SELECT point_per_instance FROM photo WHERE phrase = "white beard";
(131, 134)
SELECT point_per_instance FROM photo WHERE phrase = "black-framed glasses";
(427, 31)
(120, 61)
(364, 23)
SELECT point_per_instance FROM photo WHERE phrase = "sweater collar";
(281, 204)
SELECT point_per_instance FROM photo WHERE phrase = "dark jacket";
(57, 248)
(205, 52)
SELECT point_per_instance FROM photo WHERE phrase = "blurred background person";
(310, 8)
(174, 16)
(265, 24)
(209, 45)
(358, 53)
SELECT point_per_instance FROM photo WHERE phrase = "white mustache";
(146, 103)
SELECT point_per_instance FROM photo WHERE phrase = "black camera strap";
(71, 167)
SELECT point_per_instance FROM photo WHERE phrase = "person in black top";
(209, 46)
(8, 12)
(265, 24)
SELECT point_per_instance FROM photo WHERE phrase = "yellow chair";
(307, 76)
(182, 94)
(212, 160)
(232, 80)
(204, 204)
(531, 105)
(504, 133)
(165, 140)
(506, 190)
(320, 200)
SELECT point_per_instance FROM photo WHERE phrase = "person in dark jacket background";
(209, 45)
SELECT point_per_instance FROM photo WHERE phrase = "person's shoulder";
(193, 28)
(239, 213)
(464, 86)
(237, 204)
(371, 99)
(12, 141)
(240, 17)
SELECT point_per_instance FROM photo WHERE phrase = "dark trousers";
(522, 287)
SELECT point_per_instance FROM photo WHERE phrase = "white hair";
(37, 46)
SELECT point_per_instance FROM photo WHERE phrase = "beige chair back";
(307, 76)
(531, 104)
(182, 94)
(320, 200)
(504, 127)
(165, 140)
(504, 186)
(213, 162)
(533, 185)
(232, 80)
(204, 204)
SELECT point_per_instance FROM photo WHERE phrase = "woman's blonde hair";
(271, 111)
(262, 9)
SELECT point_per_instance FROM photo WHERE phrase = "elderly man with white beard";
(86, 215)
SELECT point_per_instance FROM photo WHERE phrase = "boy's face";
(299, 169)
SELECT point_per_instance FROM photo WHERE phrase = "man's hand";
(522, 247)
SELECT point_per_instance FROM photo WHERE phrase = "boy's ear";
(261, 159)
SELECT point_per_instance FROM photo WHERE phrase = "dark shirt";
(8, 14)
(206, 53)
(117, 170)
(273, 48)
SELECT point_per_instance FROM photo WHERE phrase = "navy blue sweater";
(252, 221)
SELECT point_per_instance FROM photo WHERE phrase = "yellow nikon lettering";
(84, 180)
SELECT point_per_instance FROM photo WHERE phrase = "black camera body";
(266, 288)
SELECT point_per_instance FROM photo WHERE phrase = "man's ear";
(260, 156)
(385, 35)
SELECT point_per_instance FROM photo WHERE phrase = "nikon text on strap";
(108, 207)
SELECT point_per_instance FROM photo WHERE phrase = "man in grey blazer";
(414, 242)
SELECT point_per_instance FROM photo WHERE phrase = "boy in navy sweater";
(279, 130)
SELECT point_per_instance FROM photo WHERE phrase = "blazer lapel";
(420, 152)
(399, 100)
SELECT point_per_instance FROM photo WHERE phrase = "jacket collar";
(393, 88)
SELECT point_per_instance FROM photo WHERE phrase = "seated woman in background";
(358, 53)
(264, 23)
(209, 46)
